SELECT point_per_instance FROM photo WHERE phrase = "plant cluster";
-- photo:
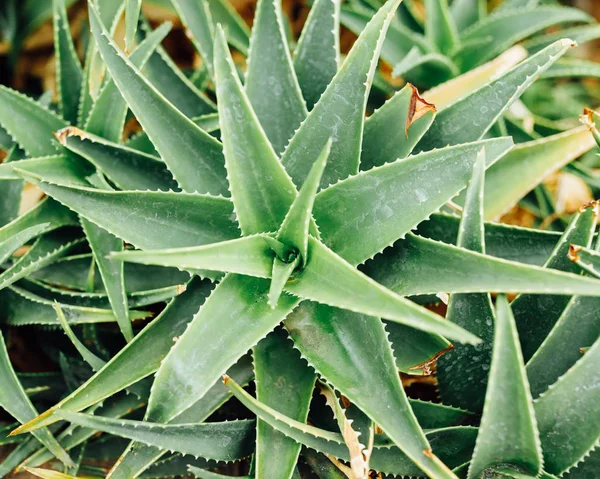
(249, 282)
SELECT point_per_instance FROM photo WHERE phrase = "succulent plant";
(300, 239)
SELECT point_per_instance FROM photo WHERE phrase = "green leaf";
(328, 279)
(138, 456)
(193, 156)
(200, 29)
(11, 192)
(64, 169)
(15, 401)
(418, 265)
(103, 243)
(48, 473)
(467, 12)
(336, 344)
(341, 121)
(507, 438)
(47, 212)
(280, 274)
(44, 251)
(127, 168)
(496, 33)
(238, 33)
(579, 34)
(23, 308)
(440, 29)
(567, 437)
(577, 325)
(385, 459)
(271, 82)
(317, 54)
(382, 143)
(371, 208)
(283, 380)
(586, 469)
(537, 315)
(463, 372)
(29, 123)
(222, 441)
(138, 359)
(94, 361)
(294, 230)
(132, 15)
(108, 114)
(68, 69)
(471, 117)
(182, 219)
(588, 260)
(573, 68)
(260, 205)
(234, 318)
(251, 255)
(523, 168)
(8, 247)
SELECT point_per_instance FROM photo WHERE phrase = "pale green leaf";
(280, 274)
(63, 169)
(382, 142)
(371, 207)
(271, 83)
(471, 117)
(508, 431)
(192, 155)
(283, 380)
(317, 55)
(132, 15)
(261, 200)
(68, 69)
(342, 121)
(440, 29)
(8, 247)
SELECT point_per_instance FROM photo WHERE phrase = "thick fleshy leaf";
(586, 469)
(569, 436)
(579, 34)
(14, 400)
(577, 325)
(234, 318)
(47, 212)
(463, 372)
(107, 115)
(510, 439)
(418, 265)
(138, 456)
(371, 208)
(588, 260)
(22, 308)
(250, 255)
(453, 90)
(102, 243)
(294, 230)
(440, 29)
(193, 156)
(271, 82)
(283, 380)
(342, 121)
(222, 441)
(280, 274)
(496, 33)
(184, 219)
(573, 68)
(467, 12)
(471, 117)
(132, 15)
(44, 251)
(129, 169)
(68, 69)
(537, 315)
(63, 169)
(260, 201)
(200, 30)
(29, 123)
(335, 343)
(8, 247)
(383, 143)
(523, 168)
(238, 33)
(138, 359)
(328, 279)
(317, 55)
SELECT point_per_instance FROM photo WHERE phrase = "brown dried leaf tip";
(428, 366)
(226, 379)
(65, 133)
(574, 252)
(417, 108)
(588, 118)
(591, 204)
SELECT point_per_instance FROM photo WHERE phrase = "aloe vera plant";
(300, 229)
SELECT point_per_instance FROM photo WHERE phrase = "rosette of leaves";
(309, 238)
